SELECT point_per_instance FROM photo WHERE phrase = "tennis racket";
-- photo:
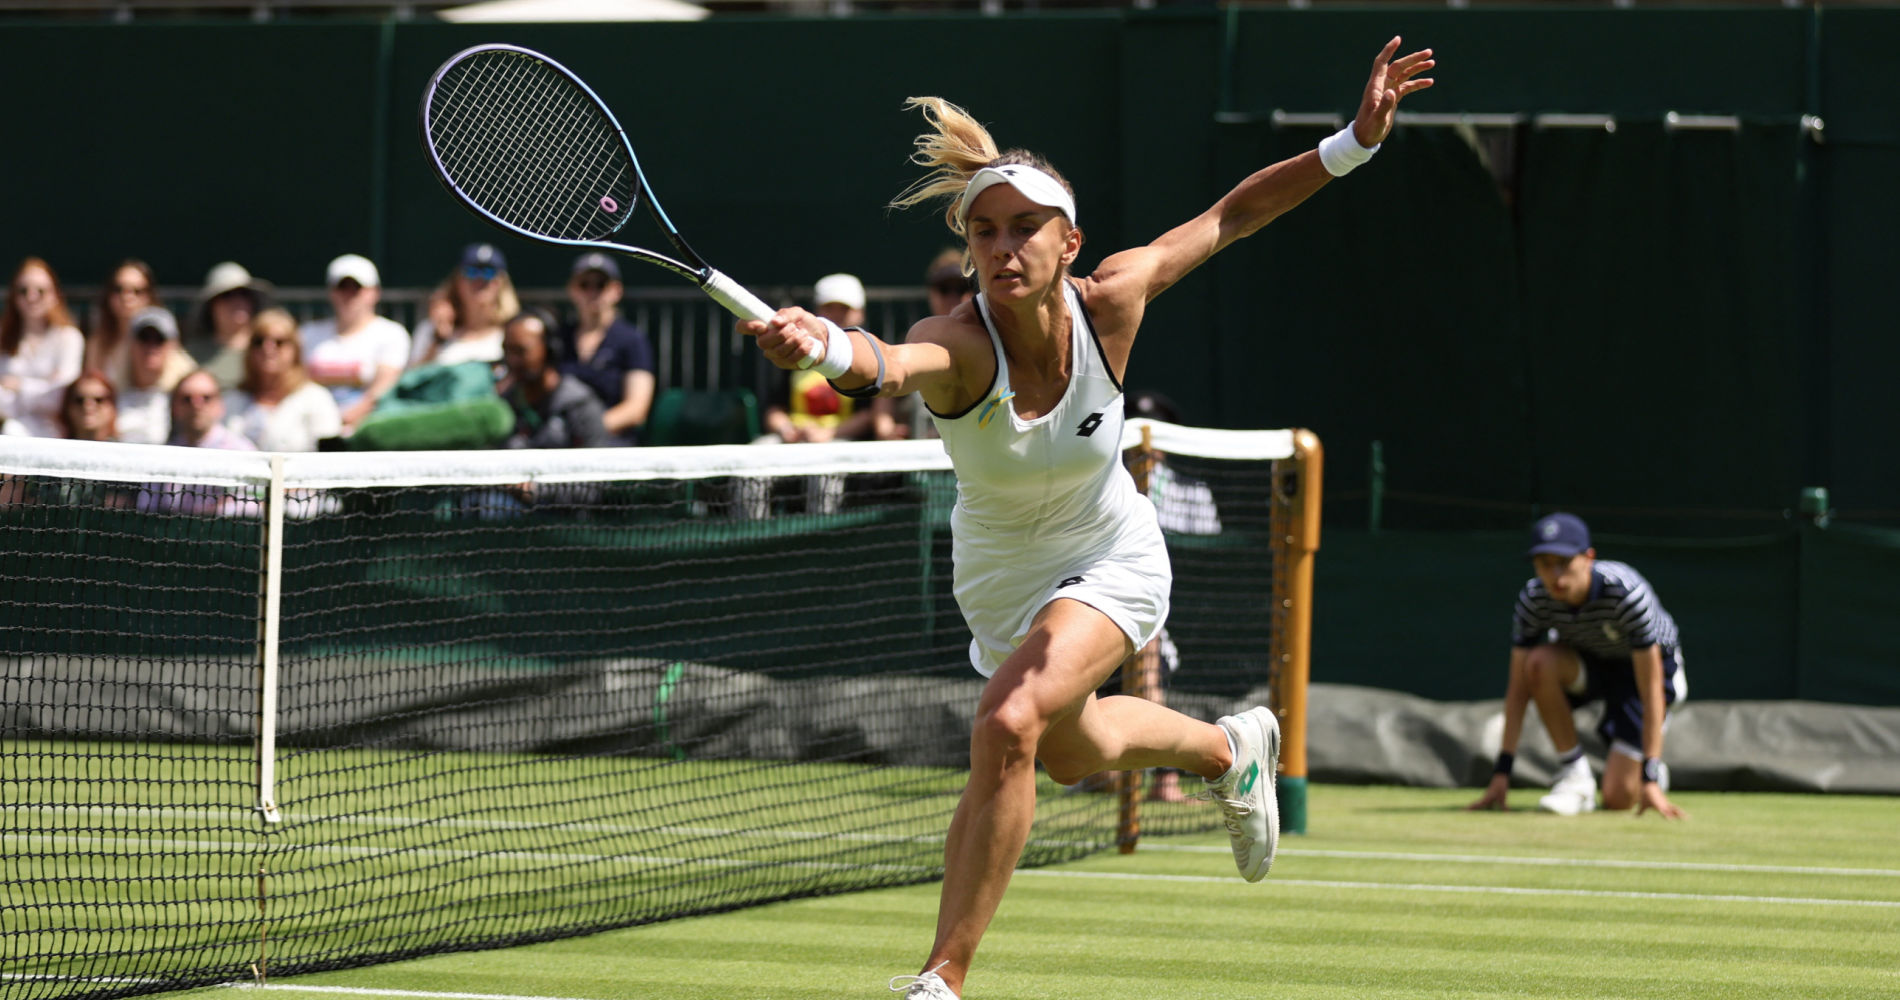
(521, 141)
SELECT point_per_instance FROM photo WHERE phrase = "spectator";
(807, 408)
(945, 283)
(614, 357)
(276, 405)
(198, 422)
(230, 299)
(480, 296)
(130, 288)
(145, 402)
(41, 352)
(198, 416)
(356, 354)
(552, 409)
(89, 408)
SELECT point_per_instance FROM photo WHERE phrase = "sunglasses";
(590, 284)
(259, 342)
(476, 272)
(957, 287)
(151, 337)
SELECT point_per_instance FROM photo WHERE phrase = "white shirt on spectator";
(455, 350)
(334, 358)
(45, 366)
(145, 415)
(295, 424)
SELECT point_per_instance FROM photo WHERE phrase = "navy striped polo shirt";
(1621, 614)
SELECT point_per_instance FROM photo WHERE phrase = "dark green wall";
(1799, 612)
(1653, 321)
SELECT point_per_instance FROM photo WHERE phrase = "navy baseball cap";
(596, 261)
(483, 255)
(1559, 534)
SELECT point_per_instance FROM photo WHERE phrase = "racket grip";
(735, 298)
(742, 303)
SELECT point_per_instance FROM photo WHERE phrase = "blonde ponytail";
(955, 148)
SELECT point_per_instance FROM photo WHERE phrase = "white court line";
(364, 992)
(281, 842)
(1481, 859)
(278, 846)
(1502, 890)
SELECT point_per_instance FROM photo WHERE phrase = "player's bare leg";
(1069, 651)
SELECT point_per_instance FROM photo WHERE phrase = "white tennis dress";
(1045, 508)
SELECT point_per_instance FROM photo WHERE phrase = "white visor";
(1034, 184)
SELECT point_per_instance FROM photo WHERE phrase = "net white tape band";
(139, 463)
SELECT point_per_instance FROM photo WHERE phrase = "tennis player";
(1060, 568)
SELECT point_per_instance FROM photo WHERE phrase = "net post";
(1135, 671)
(1297, 509)
(270, 603)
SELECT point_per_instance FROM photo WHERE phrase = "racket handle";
(735, 298)
(742, 303)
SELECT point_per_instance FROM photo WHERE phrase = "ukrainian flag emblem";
(989, 409)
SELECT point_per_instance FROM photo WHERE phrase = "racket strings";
(529, 146)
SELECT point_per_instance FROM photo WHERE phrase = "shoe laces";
(928, 986)
(1232, 810)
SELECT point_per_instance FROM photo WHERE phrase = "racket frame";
(728, 293)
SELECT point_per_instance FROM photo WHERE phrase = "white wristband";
(837, 359)
(1340, 152)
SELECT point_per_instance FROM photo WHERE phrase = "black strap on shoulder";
(877, 384)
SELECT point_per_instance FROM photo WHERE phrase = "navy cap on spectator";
(596, 261)
(484, 255)
(1559, 534)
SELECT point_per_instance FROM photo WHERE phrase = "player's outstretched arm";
(1273, 190)
(921, 364)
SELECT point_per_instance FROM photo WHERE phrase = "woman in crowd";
(356, 354)
(276, 404)
(89, 408)
(129, 289)
(605, 351)
(41, 351)
(109, 348)
(230, 299)
(480, 297)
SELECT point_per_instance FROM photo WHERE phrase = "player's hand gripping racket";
(529, 147)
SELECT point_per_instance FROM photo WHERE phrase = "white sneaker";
(1245, 793)
(928, 986)
(1573, 793)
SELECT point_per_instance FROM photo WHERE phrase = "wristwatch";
(1652, 770)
